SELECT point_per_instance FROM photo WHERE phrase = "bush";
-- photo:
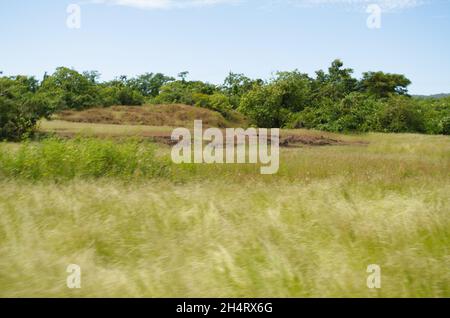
(355, 112)
(216, 102)
(445, 124)
(71, 89)
(263, 106)
(21, 107)
(400, 114)
(274, 104)
(128, 96)
(436, 112)
(183, 92)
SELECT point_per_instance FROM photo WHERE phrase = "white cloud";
(385, 5)
(165, 4)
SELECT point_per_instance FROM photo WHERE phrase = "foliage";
(21, 107)
(273, 104)
(333, 100)
(401, 114)
(382, 85)
(335, 84)
(149, 84)
(355, 112)
(436, 112)
(71, 89)
(236, 85)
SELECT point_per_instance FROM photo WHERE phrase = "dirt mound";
(300, 140)
(285, 141)
(175, 115)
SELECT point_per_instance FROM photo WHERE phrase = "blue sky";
(209, 38)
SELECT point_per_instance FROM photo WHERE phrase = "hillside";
(442, 95)
(173, 115)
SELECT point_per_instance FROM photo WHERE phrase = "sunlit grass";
(226, 230)
(86, 129)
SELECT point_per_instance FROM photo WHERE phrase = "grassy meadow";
(140, 226)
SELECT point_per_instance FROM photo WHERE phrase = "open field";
(224, 230)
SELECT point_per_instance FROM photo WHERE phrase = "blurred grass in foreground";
(225, 230)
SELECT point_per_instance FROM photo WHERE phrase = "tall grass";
(58, 159)
(223, 240)
(226, 230)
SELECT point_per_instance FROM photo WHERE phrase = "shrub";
(436, 112)
(128, 96)
(400, 114)
(273, 104)
(21, 107)
(355, 112)
(263, 106)
(71, 89)
(183, 92)
(217, 102)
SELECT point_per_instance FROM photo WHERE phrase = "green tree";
(273, 104)
(21, 106)
(183, 76)
(72, 89)
(236, 85)
(382, 84)
(263, 106)
(335, 84)
(119, 92)
(149, 84)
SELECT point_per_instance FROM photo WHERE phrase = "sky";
(210, 38)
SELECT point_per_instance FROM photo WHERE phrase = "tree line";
(332, 100)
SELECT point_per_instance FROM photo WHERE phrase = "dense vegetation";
(333, 100)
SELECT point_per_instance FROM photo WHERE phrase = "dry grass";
(66, 128)
(152, 115)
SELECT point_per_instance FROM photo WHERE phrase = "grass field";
(224, 230)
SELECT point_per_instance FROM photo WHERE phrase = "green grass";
(226, 230)
(57, 159)
(100, 130)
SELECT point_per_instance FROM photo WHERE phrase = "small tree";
(72, 89)
(21, 107)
